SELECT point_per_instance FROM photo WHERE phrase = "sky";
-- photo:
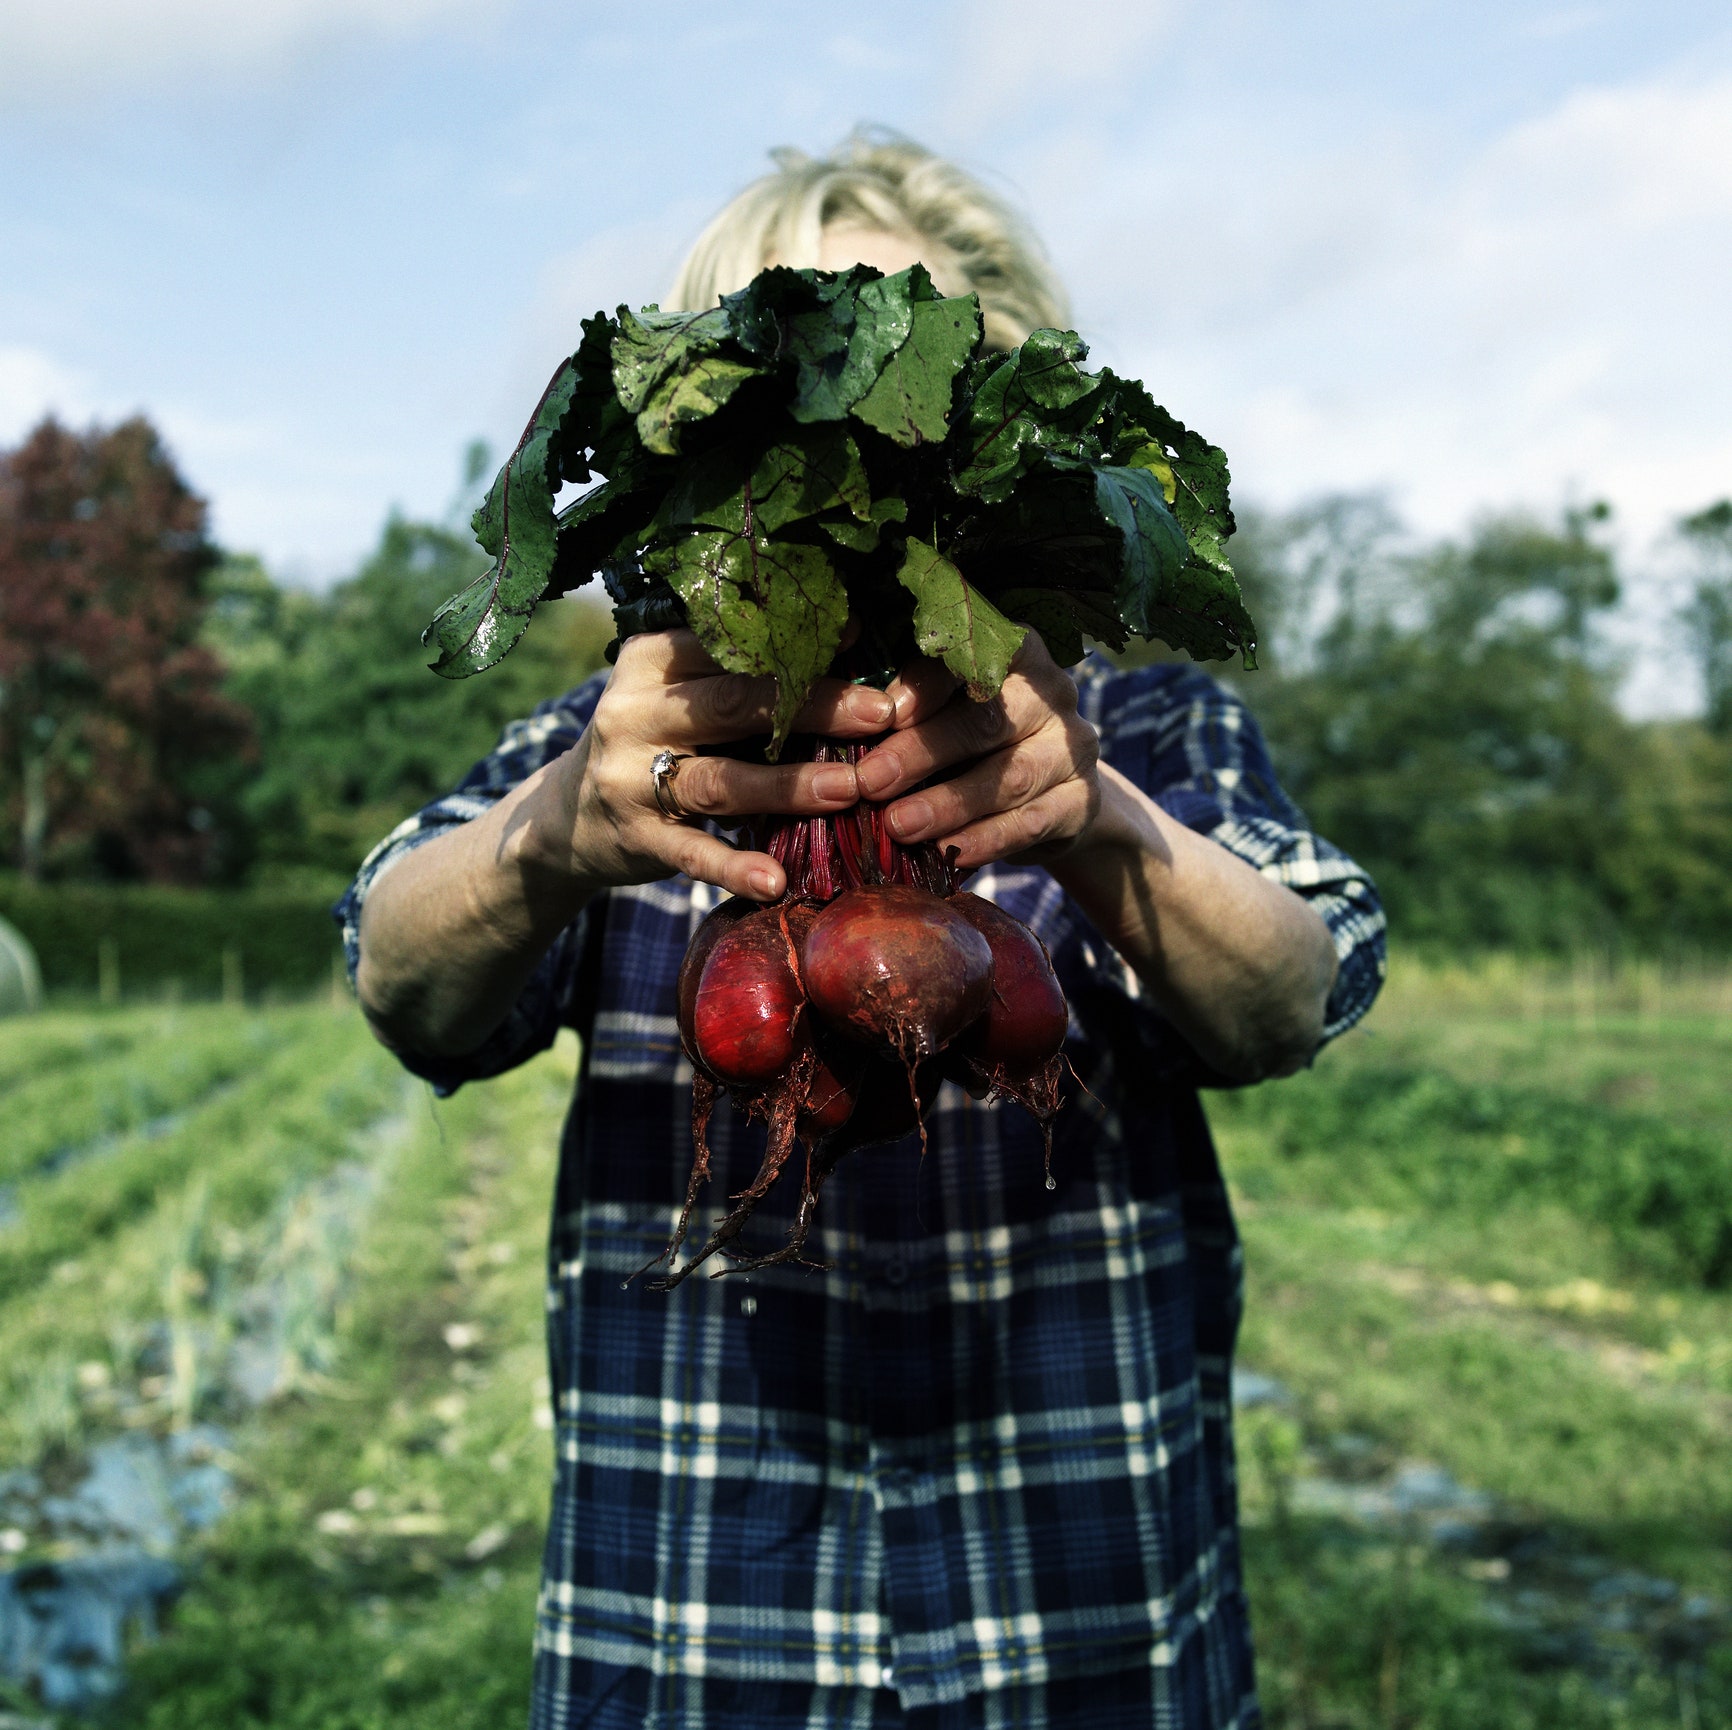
(1473, 255)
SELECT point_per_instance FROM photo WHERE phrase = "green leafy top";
(824, 445)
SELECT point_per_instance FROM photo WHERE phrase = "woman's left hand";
(1239, 963)
(1033, 788)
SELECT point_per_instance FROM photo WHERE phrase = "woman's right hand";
(597, 821)
(452, 930)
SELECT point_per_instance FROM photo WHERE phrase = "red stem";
(825, 855)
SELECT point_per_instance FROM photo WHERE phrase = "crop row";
(66, 1111)
(93, 1246)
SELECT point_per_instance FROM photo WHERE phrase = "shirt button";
(887, 1677)
(895, 1272)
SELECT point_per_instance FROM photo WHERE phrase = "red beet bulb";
(833, 1092)
(1016, 1049)
(716, 925)
(1024, 1023)
(896, 969)
(747, 1009)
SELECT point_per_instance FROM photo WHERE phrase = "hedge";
(137, 939)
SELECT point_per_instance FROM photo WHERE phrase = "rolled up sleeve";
(1196, 750)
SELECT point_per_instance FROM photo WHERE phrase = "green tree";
(1708, 617)
(1448, 715)
(354, 731)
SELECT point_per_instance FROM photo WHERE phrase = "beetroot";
(716, 925)
(747, 1011)
(1016, 1049)
(1026, 1015)
(834, 1016)
(896, 969)
(887, 1108)
(834, 1090)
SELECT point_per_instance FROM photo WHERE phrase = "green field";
(1487, 1478)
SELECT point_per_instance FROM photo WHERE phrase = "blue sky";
(1474, 254)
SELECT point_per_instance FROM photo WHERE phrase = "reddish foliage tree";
(109, 705)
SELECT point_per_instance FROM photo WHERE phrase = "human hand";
(598, 823)
(1033, 790)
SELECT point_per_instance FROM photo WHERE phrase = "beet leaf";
(820, 442)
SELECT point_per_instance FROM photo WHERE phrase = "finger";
(1035, 691)
(706, 859)
(922, 688)
(837, 709)
(960, 731)
(731, 706)
(1050, 821)
(1000, 782)
(722, 787)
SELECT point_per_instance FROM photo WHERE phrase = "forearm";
(451, 933)
(1239, 963)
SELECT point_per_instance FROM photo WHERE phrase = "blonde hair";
(878, 179)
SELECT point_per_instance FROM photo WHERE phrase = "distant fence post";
(234, 986)
(115, 942)
(20, 975)
(107, 972)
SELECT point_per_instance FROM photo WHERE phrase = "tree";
(111, 708)
(1448, 714)
(1708, 617)
(355, 731)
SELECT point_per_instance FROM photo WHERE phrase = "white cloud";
(1541, 316)
(1013, 57)
(632, 263)
(1536, 319)
(1562, 21)
(274, 486)
(50, 49)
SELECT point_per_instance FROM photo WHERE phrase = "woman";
(979, 1471)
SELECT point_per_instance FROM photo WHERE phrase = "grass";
(1484, 1235)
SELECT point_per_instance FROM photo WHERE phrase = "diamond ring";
(664, 766)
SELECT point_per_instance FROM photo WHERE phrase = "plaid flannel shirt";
(980, 1471)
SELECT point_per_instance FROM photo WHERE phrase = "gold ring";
(664, 766)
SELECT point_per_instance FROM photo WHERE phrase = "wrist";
(537, 844)
(1125, 829)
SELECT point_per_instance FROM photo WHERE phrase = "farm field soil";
(1501, 1326)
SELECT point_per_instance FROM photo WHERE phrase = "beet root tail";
(704, 1093)
(782, 1113)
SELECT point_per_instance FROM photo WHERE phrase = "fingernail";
(910, 817)
(870, 706)
(763, 882)
(874, 774)
(835, 784)
(903, 704)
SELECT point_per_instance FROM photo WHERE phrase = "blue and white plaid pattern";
(977, 1473)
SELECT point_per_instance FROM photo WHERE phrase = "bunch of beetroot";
(816, 450)
(834, 1015)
